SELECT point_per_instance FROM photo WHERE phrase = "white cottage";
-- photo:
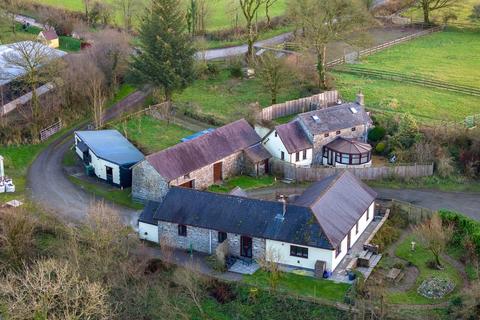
(321, 225)
(108, 155)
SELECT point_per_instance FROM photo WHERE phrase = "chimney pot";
(360, 99)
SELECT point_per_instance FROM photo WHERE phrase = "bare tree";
(428, 6)
(273, 73)
(53, 289)
(268, 5)
(189, 279)
(434, 236)
(325, 21)
(32, 60)
(271, 264)
(128, 9)
(250, 9)
(86, 5)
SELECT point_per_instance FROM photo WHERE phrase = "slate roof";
(49, 34)
(111, 146)
(192, 155)
(233, 214)
(337, 202)
(335, 118)
(349, 146)
(321, 217)
(257, 153)
(293, 137)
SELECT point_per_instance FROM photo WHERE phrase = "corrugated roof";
(335, 118)
(257, 153)
(293, 137)
(111, 146)
(233, 214)
(349, 146)
(337, 202)
(189, 156)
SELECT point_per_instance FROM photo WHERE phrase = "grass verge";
(453, 184)
(244, 182)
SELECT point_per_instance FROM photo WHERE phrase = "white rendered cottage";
(321, 225)
(332, 136)
(108, 155)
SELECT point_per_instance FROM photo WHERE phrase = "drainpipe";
(210, 241)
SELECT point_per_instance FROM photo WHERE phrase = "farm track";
(411, 79)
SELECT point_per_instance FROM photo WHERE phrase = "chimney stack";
(360, 99)
(283, 200)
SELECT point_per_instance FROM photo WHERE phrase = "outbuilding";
(50, 38)
(107, 155)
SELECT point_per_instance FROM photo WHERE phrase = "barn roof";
(192, 155)
(293, 137)
(321, 217)
(337, 202)
(257, 153)
(111, 146)
(347, 115)
(50, 34)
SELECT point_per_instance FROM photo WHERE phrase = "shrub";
(380, 147)
(463, 227)
(432, 264)
(476, 12)
(221, 291)
(236, 71)
(213, 69)
(399, 265)
(376, 134)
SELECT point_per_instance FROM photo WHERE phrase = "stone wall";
(147, 184)
(203, 177)
(200, 239)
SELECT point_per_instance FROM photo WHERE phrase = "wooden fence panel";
(321, 100)
(300, 174)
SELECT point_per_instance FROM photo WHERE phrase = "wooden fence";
(300, 174)
(383, 46)
(318, 101)
(50, 131)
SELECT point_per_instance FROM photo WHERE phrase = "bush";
(464, 227)
(376, 134)
(380, 147)
(221, 291)
(399, 265)
(213, 69)
(432, 264)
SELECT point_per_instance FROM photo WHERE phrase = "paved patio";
(340, 273)
(243, 268)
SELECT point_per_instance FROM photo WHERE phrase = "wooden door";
(246, 247)
(109, 174)
(217, 172)
(188, 184)
(267, 169)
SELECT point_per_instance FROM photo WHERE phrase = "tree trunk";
(267, 14)
(250, 42)
(426, 14)
(322, 76)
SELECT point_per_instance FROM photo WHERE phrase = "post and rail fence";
(51, 130)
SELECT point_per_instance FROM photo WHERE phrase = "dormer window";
(326, 135)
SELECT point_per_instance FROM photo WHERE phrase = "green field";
(151, 135)
(226, 98)
(221, 13)
(450, 56)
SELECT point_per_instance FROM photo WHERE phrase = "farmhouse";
(320, 225)
(107, 155)
(49, 38)
(202, 161)
(331, 136)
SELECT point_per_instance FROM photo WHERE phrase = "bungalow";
(320, 225)
(107, 155)
(49, 38)
(332, 136)
(201, 161)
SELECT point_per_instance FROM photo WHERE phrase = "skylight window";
(353, 110)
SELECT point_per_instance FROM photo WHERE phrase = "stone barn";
(231, 150)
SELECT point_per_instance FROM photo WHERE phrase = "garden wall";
(300, 174)
(318, 101)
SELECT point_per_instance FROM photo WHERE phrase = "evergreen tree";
(167, 56)
(408, 132)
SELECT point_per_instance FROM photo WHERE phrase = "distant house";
(107, 155)
(49, 37)
(322, 224)
(331, 136)
(199, 162)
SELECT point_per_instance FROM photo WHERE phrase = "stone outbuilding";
(233, 149)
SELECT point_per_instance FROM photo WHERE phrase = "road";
(463, 202)
(48, 185)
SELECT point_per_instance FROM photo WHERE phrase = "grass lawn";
(121, 197)
(7, 35)
(151, 135)
(462, 10)
(450, 56)
(419, 258)
(244, 182)
(301, 285)
(123, 91)
(443, 184)
(225, 97)
(69, 44)
(428, 105)
(221, 13)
